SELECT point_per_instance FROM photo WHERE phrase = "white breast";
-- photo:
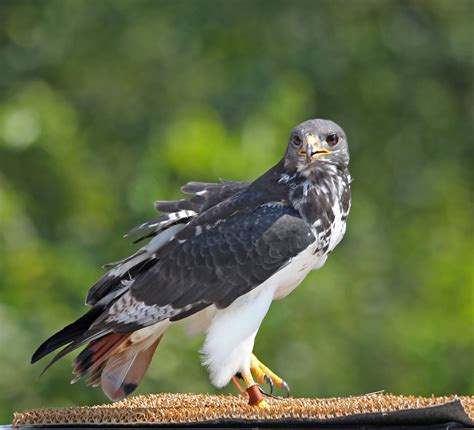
(288, 278)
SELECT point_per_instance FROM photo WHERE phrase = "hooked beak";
(313, 149)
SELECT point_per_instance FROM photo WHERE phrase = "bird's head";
(314, 143)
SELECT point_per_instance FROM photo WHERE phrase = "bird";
(215, 260)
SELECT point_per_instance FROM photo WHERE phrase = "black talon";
(269, 381)
(286, 387)
(268, 394)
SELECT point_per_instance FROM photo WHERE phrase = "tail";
(73, 335)
(116, 361)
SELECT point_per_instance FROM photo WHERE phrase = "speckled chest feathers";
(323, 198)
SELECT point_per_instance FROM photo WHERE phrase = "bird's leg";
(253, 390)
(264, 375)
(239, 387)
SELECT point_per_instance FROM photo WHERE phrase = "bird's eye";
(296, 140)
(332, 139)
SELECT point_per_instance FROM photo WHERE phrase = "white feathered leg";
(231, 335)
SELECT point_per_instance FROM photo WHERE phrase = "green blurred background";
(97, 101)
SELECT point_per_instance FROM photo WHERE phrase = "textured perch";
(165, 409)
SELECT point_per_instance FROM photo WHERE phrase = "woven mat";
(191, 408)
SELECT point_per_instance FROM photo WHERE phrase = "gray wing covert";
(178, 213)
(216, 266)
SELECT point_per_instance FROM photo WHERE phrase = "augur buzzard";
(217, 260)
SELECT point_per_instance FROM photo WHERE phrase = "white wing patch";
(162, 222)
(146, 252)
(129, 310)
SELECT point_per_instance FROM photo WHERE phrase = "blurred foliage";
(108, 105)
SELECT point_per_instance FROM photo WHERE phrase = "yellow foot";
(264, 375)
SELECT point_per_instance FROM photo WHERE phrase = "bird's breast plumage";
(324, 201)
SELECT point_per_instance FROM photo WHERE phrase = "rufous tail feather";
(115, 362)
(125, 369)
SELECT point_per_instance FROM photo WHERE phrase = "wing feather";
(215, 267)
(161, 230)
